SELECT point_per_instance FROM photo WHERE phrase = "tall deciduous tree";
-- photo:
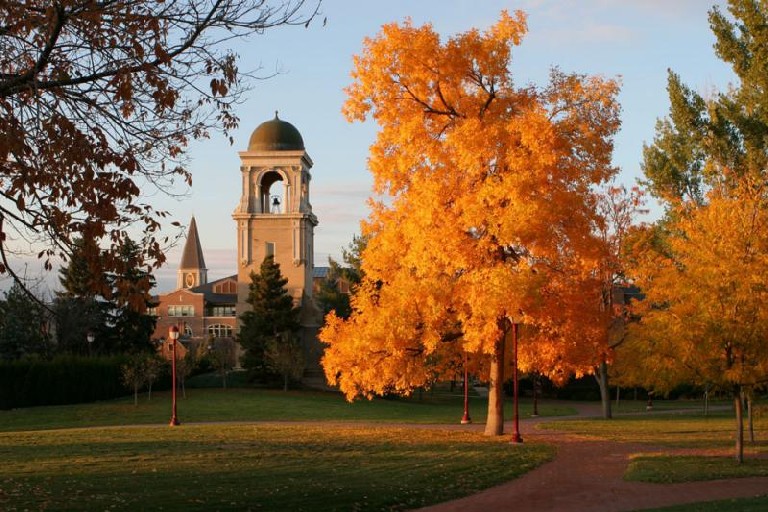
(703, 266)
(487, 217)
(272, 316)
(100, 99)
(619, 208)
(704, 319)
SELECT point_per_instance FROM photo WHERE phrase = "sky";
(636, 40)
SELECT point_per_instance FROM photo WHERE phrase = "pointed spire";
(192, 257)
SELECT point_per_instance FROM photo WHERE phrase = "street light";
(516, 437)
(90, 337)
(466, 419)
(173, 334)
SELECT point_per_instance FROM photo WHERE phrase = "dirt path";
(586, 475)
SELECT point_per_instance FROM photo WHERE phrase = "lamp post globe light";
(173, 335)
(90, 338)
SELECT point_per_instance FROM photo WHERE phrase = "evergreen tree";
(331, 296)
(78, 308)
(272, 316)
(129, 300)
(23, 326)
(116, 315)
(720, 141)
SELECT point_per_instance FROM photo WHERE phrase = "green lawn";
(680, 434)
(310, 467)
(687, 468)
(247, 449)
(204, 405)
(735, 505)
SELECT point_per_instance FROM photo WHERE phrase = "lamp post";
(90, 337)
(173, 334)
(516, 437)
(466, 419)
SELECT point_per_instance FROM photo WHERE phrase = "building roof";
(192, 257)
(211, 297)
(276, 135)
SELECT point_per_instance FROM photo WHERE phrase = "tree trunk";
(285, 382)
(494, 424)
(750, 426)
(706, 401)
(149, 392)
(605, 392)
(739, 403)
(135, 395)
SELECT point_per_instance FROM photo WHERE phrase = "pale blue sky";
(635, 39)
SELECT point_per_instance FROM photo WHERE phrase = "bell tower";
(274, 216)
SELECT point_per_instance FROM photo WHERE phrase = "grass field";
(245, 449)
(696, 448)
(309, 467)
(736, 505)
(205, 405)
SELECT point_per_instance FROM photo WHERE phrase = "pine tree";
(116, 315)
(77, 308)
(23, 326)
(272, 316)
(129, 302)
(331, 296)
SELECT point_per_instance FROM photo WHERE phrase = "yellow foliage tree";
(485, 214)
(703, 318)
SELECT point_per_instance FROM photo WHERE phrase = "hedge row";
(63, 380)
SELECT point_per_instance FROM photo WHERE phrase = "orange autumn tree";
(704, 319)
(485, 214)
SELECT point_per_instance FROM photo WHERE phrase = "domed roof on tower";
(276, 135)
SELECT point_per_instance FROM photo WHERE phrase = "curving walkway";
(587, 475)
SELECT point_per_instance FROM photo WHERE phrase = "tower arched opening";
(272, 193)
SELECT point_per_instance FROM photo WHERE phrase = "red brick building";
(201, 310)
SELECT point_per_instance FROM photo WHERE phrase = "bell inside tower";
(272, 193)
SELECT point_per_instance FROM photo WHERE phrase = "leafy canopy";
(98, 102)
(487, 212)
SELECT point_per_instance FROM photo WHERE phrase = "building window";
(220, 331)
(181, 310)
(222, 311)
(269, 249)
(152, 311)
